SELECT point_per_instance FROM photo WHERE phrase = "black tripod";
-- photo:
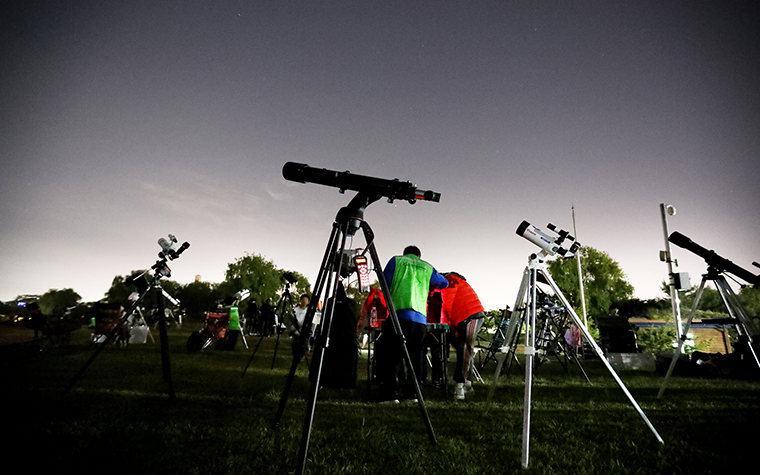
(160, 270)
(745, 327)
(348, 220)
(285, 299)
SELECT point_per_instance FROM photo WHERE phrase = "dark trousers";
(230, 339)
(392, 375)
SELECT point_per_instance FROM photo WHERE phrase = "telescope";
(549, 245)
(721, 264)
(168, 251)
(391, 189)
(242, 295)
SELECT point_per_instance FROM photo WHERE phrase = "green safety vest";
(234, 318)
(411, 282)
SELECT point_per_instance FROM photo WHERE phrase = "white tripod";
(536, 266)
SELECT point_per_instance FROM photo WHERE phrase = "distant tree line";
(252, 272)
(606, 288)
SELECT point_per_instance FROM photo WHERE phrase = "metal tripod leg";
(281, 301)
(303, 338)
(599, 353)
(345, 224)
(319, 353)
(513, 330)
(530, 347)
(281, 307)
(105, 342)
(166, 367)
(551, 322)
(163, 338)
(682, 337)
(529, 281)
(744, 327)
(261, 337)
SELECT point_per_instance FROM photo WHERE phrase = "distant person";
(268, 318)
(409, 279)
(252, 317)
(299, 312)
(37, 318)
(464, 312)
(296, 325)
(233, 330)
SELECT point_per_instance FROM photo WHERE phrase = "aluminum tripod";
(547, 339)
(348, 220)
(285, 299)
(745, 327)
(161, 269)
(528, 288)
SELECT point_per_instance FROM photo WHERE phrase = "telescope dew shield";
(537, 237)
(713, 259)
(391, 189)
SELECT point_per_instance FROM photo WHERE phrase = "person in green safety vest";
(233, 330)
(409, 279)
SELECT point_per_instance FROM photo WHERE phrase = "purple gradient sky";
(125, 121)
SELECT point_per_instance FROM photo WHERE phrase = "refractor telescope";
(721, 264)
(550, 245)
(391, 189)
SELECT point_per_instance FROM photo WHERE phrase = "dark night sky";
(125, 121)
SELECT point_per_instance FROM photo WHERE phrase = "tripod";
(161, 270)
(497, 341)
(743, 325)
(550, 322)
(348, 220)
(279, 309)
(536, 267)
(141, 321)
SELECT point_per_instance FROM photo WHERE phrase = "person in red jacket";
(372, 315)
(462, 308)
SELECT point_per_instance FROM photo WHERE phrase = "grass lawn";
(118, 418)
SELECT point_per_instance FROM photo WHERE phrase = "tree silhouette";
(604, 282)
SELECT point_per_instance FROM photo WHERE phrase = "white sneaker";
(459, 391)
(468, 389)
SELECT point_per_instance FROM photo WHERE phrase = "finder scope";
(391, 189)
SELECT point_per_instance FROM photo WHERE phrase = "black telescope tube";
(713, 259)
(393, 189)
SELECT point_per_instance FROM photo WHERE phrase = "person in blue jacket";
(409, 279)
